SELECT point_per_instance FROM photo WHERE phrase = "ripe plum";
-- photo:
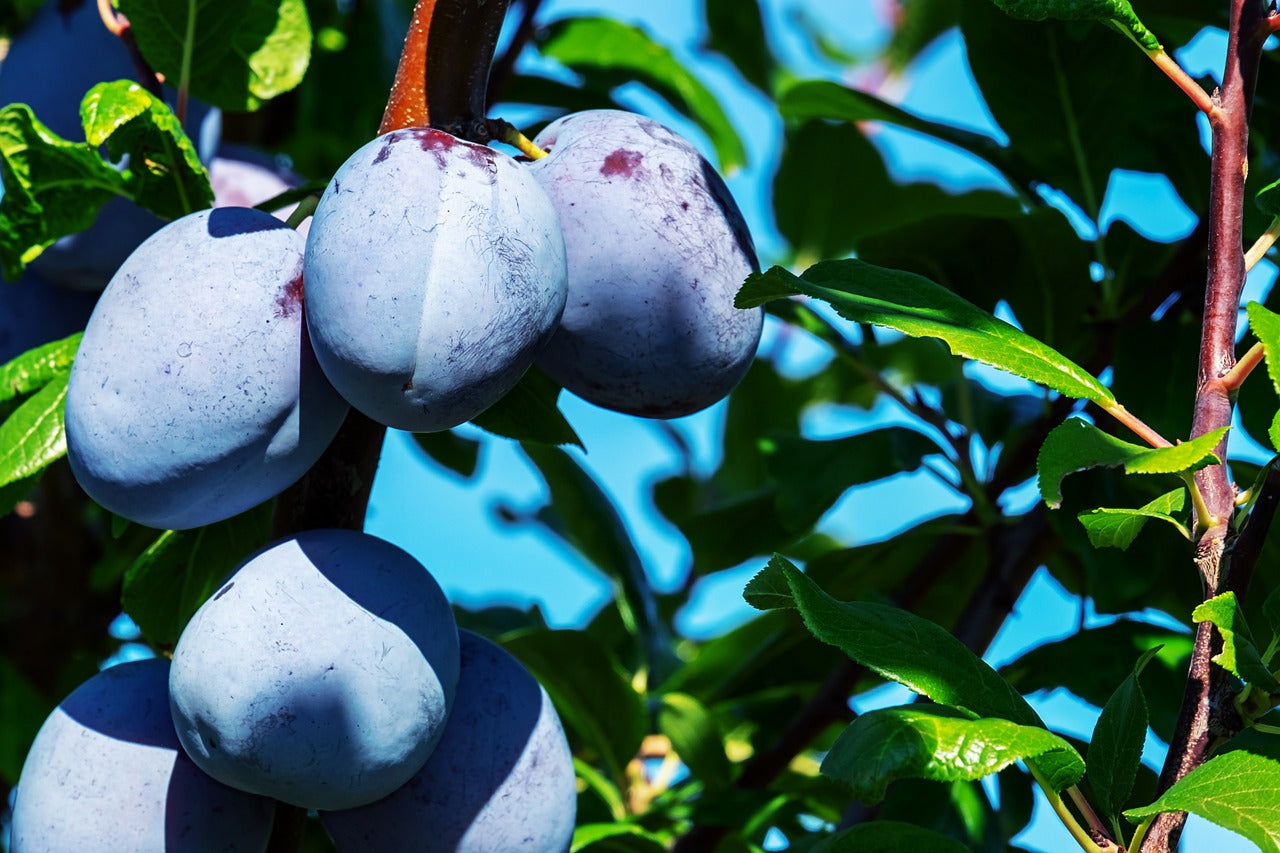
(195, 394)
(320, 674)
(501, 778)
(435, 272)
(106, 773)
(656, 249)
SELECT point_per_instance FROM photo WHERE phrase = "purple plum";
(195, 394)
(320, 674)
(435, 273)
(657, 250)
(501, 778)
(106, 773)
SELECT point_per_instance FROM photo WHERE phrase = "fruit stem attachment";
(442, 78)
(111, 19)
(305, 208)
(508, 133)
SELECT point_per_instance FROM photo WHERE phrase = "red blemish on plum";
(622, 162)
(438, 142)
(289, 302)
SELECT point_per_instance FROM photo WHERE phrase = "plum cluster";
(327, 672)
(218, 364)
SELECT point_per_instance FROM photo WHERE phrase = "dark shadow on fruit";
(724, 200)
(190, 818)
(129, 702)
(232, 221)
(478, 764)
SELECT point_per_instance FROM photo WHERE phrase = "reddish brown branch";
(1203, 719)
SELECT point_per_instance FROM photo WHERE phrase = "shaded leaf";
(897, 644)
(1076, 445)
(887, 836)
(23, 710)
(1237, 790)
(454, 452)
(1239, 655)
(1117, 528)
(601, 43)
(1118, 14)
(599, 708)
(245, 52)
(51, 187)
(915, 306)
(169, 581)
(917, 742)
(529, 412)
(696, 738)
(1115, 750)
(737, 31)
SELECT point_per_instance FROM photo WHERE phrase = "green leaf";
(245, 52)
(451, 451)
(1118, 14)
(1237, 790)
(1271, 610)
(914, 742)
(52, 187)
(1076, 445)
(887, 836)
(33, 436)
(1273, 431)
(632, 54)
(1239, 655)
(895, 643)
(696, 738)
(599, 708)
(1268, 201)
(581, 513)
(1117, 528)
(168, 582)
(915, 306)
(615, 838)
(165, 174)
(1115, 751)
(1265, 326)
(737, 31)
(528, 412)
(38, 367)
(823, 99)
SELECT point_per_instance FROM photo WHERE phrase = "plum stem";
(513, 137)
(407, 105)
(305, 208)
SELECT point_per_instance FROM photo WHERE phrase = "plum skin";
(501, 778)
(194, 395)
(86, 54)
(657, 250)
(106, 773)
(320, 674)
(435, 272)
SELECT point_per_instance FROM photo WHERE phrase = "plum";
(195, 395)
(501, 778)
(435, 272)
(34, 312)
(320, 674)
(106, 773)
(657, 249)
(86, 54)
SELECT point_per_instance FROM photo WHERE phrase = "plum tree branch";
(1204, 717)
